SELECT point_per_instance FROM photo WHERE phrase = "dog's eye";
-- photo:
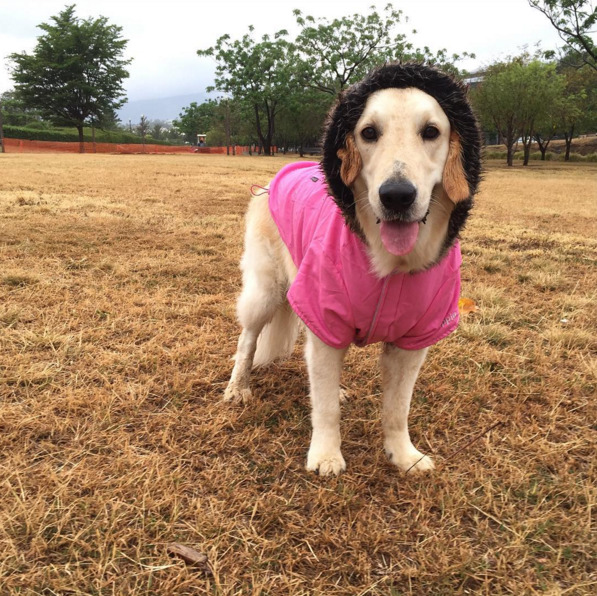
(430, 133)
(369, 133)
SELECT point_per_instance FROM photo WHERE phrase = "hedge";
(71, 135)
(536, 156)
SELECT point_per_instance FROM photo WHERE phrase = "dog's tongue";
(399, 237)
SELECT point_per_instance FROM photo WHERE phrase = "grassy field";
(118, 277)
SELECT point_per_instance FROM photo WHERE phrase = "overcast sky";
(165, 35)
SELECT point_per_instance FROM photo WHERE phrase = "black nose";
(397, 196)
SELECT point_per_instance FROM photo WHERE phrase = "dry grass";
(117, 285)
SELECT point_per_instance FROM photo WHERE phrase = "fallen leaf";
(467, 306)
(190, 556)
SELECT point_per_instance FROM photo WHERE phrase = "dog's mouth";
(399, 237)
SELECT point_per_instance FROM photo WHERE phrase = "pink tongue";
(398, 237)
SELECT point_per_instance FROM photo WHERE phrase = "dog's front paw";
(236, 394)
(410, 460)
(326, 463)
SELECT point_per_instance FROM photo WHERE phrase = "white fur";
(270, 327)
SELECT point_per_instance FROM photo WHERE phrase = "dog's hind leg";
(257, 305)
(324, 365)
(400, 369)
(263, 294)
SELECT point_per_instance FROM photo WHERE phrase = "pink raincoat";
(336, 294)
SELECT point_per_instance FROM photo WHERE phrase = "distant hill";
(163, 108)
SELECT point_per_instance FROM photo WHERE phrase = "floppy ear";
(351, 161)
(454, 179)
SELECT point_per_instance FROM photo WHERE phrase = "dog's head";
(402, 161)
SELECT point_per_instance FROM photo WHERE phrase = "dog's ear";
(351, 161)
(454, 179)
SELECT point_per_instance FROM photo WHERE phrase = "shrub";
(495, 155)
(31, 133)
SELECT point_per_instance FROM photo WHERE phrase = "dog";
(363, 248)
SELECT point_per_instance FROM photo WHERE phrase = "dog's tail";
(278, 337)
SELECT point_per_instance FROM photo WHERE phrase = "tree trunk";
(507, 136)
(543, 145)
(271, 113)
(568, 137)
(527, 152)
(262, 140)
(81, 141)
(509, 150)
(93, 138)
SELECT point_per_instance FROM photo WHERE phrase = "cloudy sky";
(165, 35)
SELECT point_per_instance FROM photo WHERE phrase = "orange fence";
(236, 150)
(24, 146)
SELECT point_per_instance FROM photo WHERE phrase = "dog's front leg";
(324, 365)
(400, 369)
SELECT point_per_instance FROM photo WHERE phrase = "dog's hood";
(451, 96)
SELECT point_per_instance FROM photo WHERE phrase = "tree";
(339, 52)
(74, 75)
(302, 117)
(577, 109)
(194, 119)
(143, 128)
(514, 96)
(496, 101)
(15, 112)
(573, 20)
(537, 98)
(546, 129)
(158, 129)
(258, 73)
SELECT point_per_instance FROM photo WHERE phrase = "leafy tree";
(496, 101)
(194, 119)
(339, 52)
(74, 75)
(143, 127)
(513, 98)
(577, 110)
(537, 98)
(227, 118)
(546, 128)
(257, 73)
(15, 112)
(573, 20)
(301, 120)
(161, 130)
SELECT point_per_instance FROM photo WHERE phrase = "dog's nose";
(397, 196)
